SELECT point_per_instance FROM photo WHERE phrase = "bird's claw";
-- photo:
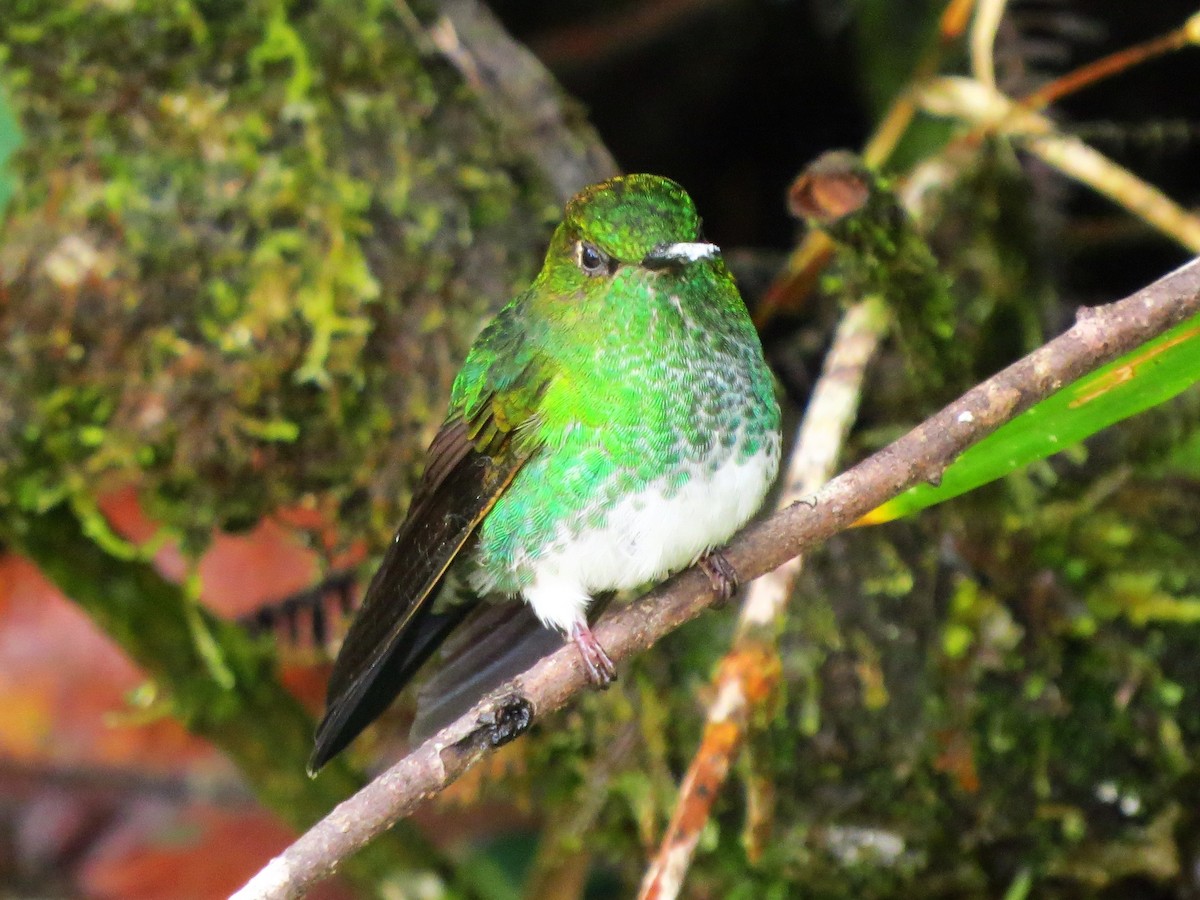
(721, 575)
(600, 668)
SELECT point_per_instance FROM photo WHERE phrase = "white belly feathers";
(648, 535)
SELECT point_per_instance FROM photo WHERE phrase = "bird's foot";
(721, 575)
(600, 669)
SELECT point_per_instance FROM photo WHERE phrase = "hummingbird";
(615, 422)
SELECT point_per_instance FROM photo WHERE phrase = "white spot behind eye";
(691, 251)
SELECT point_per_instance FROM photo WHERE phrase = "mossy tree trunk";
(247, 246)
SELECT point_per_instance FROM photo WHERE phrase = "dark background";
(733, 97)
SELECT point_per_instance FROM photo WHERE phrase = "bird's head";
(639, 225)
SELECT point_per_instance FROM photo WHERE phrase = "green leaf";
(1152, 374)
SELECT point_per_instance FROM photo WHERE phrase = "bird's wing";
(472, 460)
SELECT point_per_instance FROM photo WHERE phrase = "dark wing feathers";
(439, 521)
(469, 466)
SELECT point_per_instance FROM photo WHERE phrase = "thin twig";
(1114, 64)
(988, 15)
(973, 102)
(1099, 335)
(750, 671)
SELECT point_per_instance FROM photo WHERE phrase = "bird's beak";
(676, 256)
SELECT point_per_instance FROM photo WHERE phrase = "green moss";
(255, 209)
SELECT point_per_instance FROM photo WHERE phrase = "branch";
(1099, 335)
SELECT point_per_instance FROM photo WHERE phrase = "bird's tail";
(338, 730)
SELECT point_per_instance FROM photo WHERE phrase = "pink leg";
(600, 669)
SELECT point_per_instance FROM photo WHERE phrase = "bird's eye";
(590, 259)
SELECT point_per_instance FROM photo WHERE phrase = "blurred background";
(244, 249)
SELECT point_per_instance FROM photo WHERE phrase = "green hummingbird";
(615, 422)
